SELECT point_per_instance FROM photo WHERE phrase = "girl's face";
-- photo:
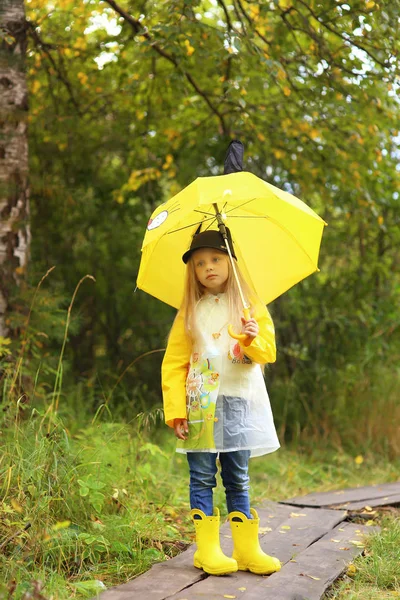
(211, 268)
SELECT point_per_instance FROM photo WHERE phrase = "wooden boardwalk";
(311, 535)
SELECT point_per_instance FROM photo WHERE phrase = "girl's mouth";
(210, 276)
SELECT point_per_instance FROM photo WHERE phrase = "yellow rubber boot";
(209, 555)
(246, 545)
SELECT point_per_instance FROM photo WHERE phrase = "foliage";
(374, 575)
(130, 102)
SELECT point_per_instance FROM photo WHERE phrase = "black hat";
(209, 239)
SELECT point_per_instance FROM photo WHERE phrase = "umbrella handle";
(240, 336)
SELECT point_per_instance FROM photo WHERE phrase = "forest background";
(128, 103)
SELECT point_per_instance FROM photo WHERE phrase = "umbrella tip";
(234, 157)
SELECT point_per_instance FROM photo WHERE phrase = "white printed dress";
(227, 404)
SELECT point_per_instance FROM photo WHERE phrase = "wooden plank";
(374, 502)
(336, 497)
(325, 561)
(161, 580)
(282, 542)
(171, 576)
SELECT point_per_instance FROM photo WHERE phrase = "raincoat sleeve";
(262, 349)
(174, 372)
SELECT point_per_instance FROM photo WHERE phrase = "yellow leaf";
(80, 43)
(261, 137)
(370, 522)
(351, 570)
(357, 543)
(337, 541)
(312, 577)
(278, 154)
(281, 75)
(82, 78)
(189, 48)
(293, 514)
(286, 527)
(229, 596)
(61, 525)
(370, 5)
(16, 506)
(287, 91)
(254, 11)
(380, 220)
(264, 529)
(35, 86)
(168, 161)
(359, 459)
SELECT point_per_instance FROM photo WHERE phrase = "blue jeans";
(235, 477)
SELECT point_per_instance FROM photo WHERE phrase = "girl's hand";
(250, 328)
(181, 429)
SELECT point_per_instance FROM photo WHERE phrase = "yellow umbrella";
(276, 236)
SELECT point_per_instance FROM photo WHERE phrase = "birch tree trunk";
(14, 191)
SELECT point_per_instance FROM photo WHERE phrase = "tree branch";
(45, 47)
(139, 28)
(339, 34)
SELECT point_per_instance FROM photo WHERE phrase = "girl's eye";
(216, 258)
(200, 263)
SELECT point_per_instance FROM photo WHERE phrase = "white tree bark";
(14, 191)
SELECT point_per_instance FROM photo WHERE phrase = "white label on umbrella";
(158, 220)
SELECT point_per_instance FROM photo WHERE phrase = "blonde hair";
(194, 290)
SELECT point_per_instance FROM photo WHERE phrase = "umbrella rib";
(240, 205)
(210, 224)
(215, 218)
(248, 217)
(290, 234)
(202, 212)
(187, 226)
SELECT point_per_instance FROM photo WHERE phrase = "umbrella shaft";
(245, 305)
(221, 227)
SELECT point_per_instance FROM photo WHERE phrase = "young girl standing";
(216, 401)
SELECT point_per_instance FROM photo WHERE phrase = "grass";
(376, 575)
(107, 500)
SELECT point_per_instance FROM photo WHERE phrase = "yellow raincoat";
(219, 387)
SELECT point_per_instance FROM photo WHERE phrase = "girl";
(216, 401)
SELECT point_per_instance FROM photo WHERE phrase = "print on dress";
(201, 381)
(237, 356)
(201, 395)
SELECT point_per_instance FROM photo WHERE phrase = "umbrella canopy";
(276, 236)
